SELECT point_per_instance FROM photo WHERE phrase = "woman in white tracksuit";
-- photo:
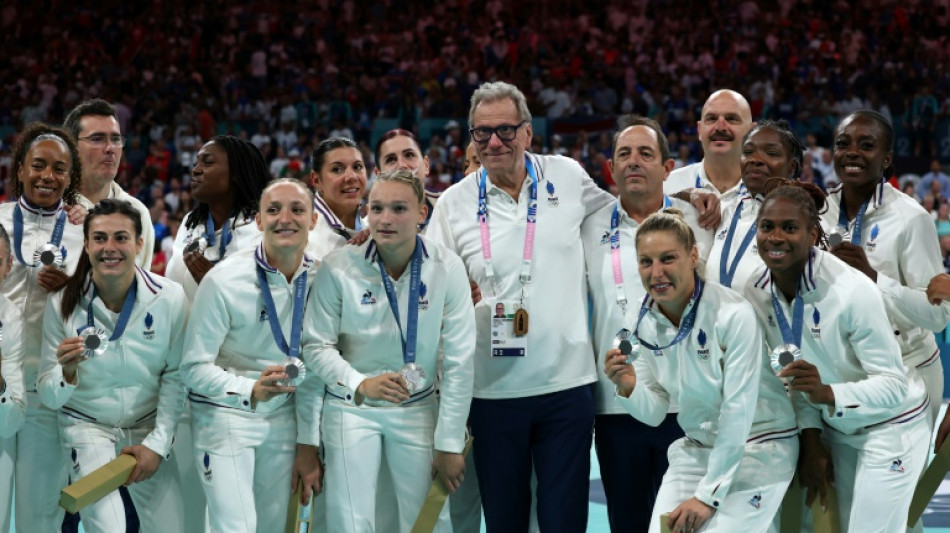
(339, 176)
(700, 347)
(111, 351)
(255, 415)
(47, 179)
(769, 150)
(226, 180)
(850, 388)
(376, 324)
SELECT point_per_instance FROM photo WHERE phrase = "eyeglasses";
(505, 132)
(100, 140)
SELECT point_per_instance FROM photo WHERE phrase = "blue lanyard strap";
(296, 323)
(55, 239)
(686, 326)
(858, 220)
(415, 277)
(124, 314)
(728, 271)
(790, 335)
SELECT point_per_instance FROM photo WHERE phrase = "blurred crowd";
(288, 74)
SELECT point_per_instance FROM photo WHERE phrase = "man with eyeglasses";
(516, 225)
(99, 140)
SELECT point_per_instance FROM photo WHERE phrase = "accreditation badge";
(505, 340)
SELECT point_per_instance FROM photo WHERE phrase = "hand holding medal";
(271, 383)
(69, 353)
(619, 369)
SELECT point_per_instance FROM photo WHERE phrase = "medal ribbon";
(528, 251)
(728, 271)
(55, 239)
(686, 326)
(615, 252)
(415, 278)
(124, 314)
(296, 323)
(225, 235)
(790, 335)
(858, 221)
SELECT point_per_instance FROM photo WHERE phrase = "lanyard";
(296, 324)
(415, 275)
(55, 239)
(728, 271)
(858, 220)
(686, 326)
(790, 335)
(225, 235)
(615, 253)
(124, 314)
(528, 251)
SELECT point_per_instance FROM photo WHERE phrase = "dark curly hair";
(808, 196)
(26, 141)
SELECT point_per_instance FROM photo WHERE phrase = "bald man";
(725, 120)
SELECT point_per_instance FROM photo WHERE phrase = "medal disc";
(296, 372)
(415, 377)
(784, 355)
(197, 245)
(94, 342)
(835, 239)
(47, 255)
(626, 342)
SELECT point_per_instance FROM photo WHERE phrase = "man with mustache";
(99, 140)
(725, 120)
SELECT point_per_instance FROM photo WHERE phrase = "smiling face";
(638, 166)
(496, 155)
(45, 173)
(402, 153)
(285, 218)
(666, 268)
(725, 120)
(112, 245)
(341, 180)
(395, 213)
(860, 152)
(211, 175)
(784, 237)
(764, 156)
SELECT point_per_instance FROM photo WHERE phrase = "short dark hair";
(97, 107)
(628, 121)
(26, 141)
(881, 120)
(787, 136)
(392, 134)
(319, 154)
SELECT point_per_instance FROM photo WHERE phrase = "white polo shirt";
(900, 241)
(137, 377)
(351, 334)
(846, 335)
(559, 353)
(694, 177)
(607, 318)
(719, 375)
(21, 287)
(12, 395)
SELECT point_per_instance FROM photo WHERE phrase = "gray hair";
(498, 90)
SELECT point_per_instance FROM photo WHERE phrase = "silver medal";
(94, 341)
(47, 255)
(296, 372)
(627, 343)
(415, 377)
(197, 245)
(836, 238)
(784, 355)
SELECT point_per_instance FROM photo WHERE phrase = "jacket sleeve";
(171, 391)
(205, 333)
(742, 363)
(458, 363)
(321, 333)
(53, 389)
(649, 402)
(12, 396)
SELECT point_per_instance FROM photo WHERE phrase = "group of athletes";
(718, 332)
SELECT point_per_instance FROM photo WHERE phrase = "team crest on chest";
(816, 328)
(872, 239)
(149, 333)
(206, 462)
(756, 501)
(423, 301)
(367, 298)
(552, 199)
(702, 352)
(897, 466)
